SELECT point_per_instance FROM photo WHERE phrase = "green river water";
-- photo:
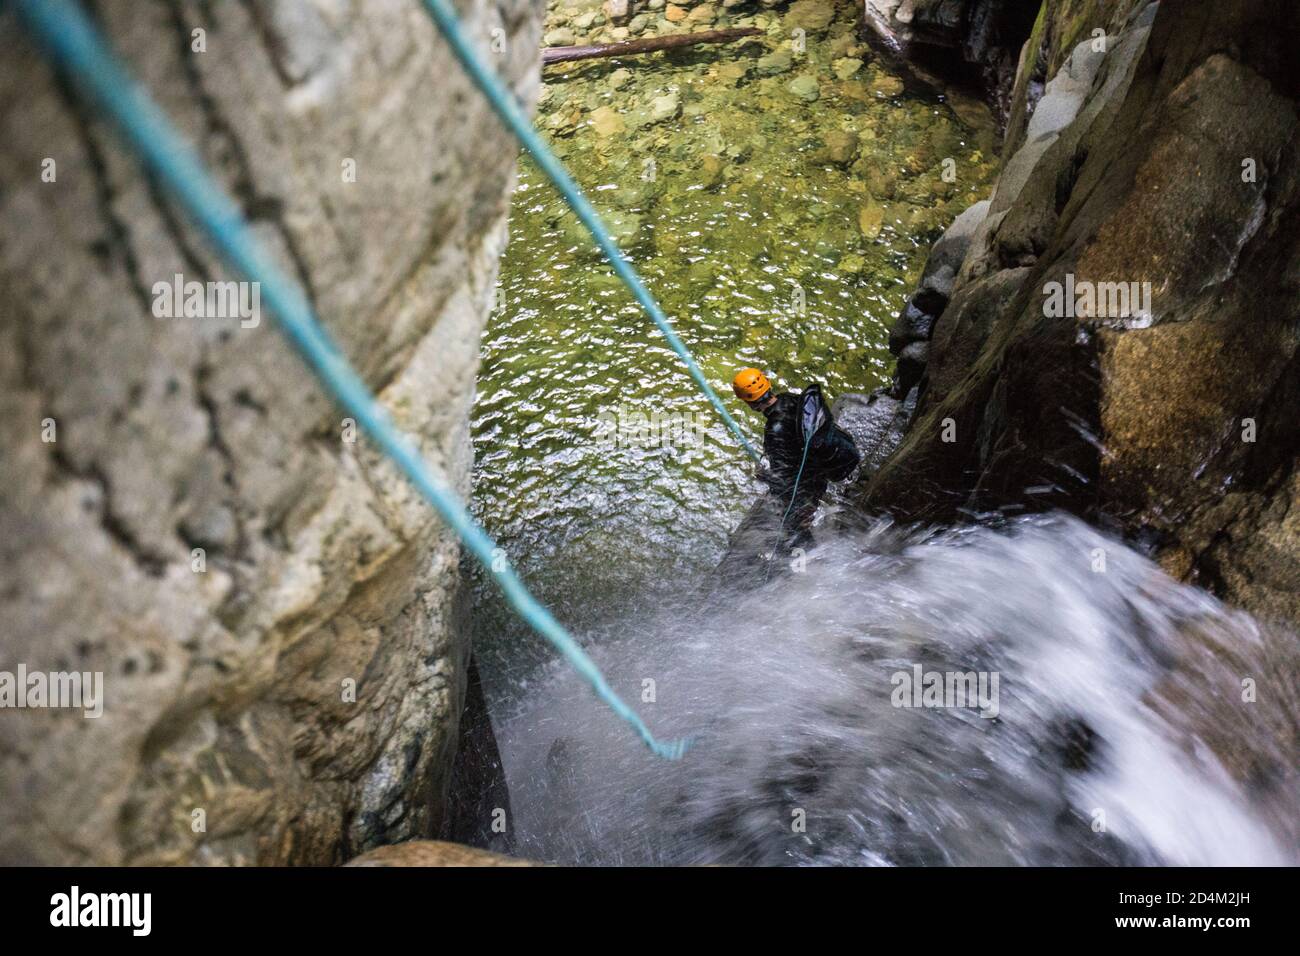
(776, 229)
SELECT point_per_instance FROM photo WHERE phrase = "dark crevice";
(216, 441)
(228, 153)
(979, 49)
(994, 32)
(28, 358)
(209, 405)
(245, 399)
(149, 561)
(115, 248)
(271, 42)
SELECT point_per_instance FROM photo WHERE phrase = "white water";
(788, 688)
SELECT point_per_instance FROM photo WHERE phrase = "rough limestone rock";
(1064, 95)
(950, 251)
(1175, 421)
(1060, 28)
(914, 324)
(201, 529)
(877, 423)
(434, 853)
(910, 335)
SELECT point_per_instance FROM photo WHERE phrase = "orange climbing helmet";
(750, 384)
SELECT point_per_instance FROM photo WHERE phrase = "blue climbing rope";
(503, 103)
(68, 36)
(797, 477)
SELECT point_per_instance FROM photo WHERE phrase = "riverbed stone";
(665, 107)
(881, 179)
(847, 46)
(871, 219)
(841, 147)
(846, 67)
(886, 85)
(851, 265)
(814, 16)
(775, 63)
(805, 87)
(618, 11)
(733, 73)
(561, 36)
(606, 121)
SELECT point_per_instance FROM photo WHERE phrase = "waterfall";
(1137, 720)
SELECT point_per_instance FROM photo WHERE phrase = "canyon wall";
(277, 616)
(1158, 158)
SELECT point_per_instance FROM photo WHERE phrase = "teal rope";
(71, 40)
(503, 102)
(797, 477)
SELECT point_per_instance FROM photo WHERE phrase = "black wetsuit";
(783, 442)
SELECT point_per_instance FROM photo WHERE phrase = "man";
(805, 450)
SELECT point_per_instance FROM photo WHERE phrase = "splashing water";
(1121, 735)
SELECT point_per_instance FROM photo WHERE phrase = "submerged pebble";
(805, 87)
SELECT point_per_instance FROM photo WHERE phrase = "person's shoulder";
(787, 405)
(795, 396)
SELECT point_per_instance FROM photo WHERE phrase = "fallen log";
(565, 54)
